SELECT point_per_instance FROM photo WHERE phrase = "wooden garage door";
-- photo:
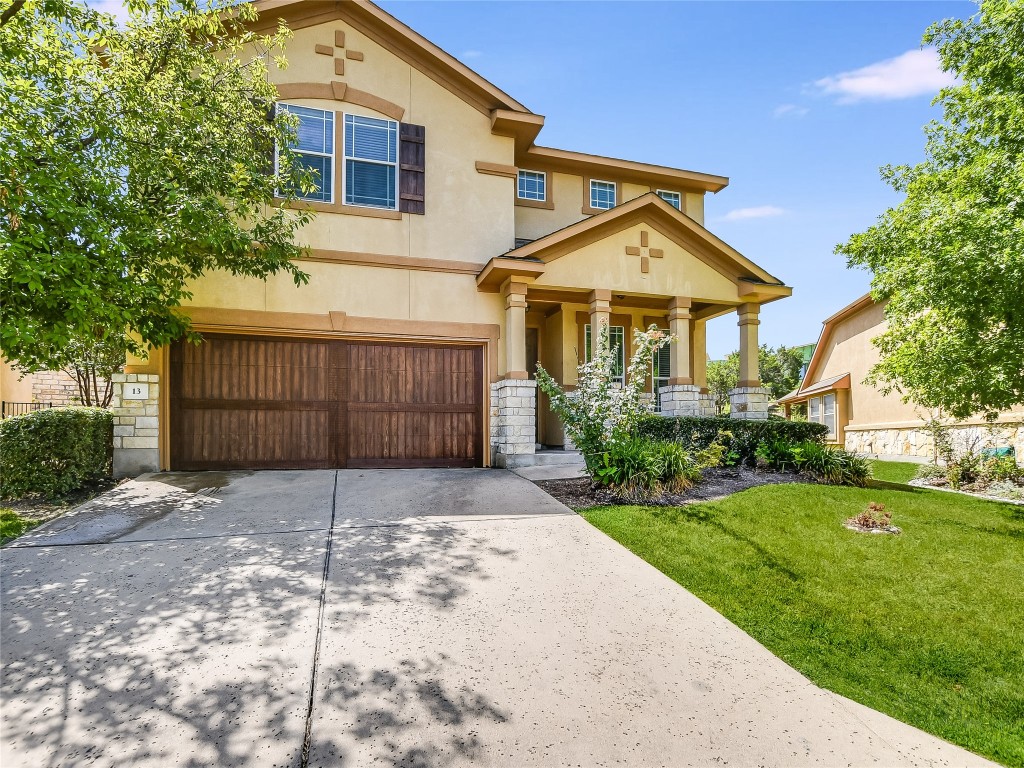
(248, 402)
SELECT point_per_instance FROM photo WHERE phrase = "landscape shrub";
(825, 463)
(639, 469)
(55, 451)
(599, 413)
(1000, 469)
(741, 437)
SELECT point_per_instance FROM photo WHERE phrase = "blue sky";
(757, 91)
(799, 103)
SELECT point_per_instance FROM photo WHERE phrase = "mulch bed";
(578, 493)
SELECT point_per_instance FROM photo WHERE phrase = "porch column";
(679, 318)
(515, 329)
(749, 400)
(748, 322)
(600, 316)
(514, 396)
(681, 397)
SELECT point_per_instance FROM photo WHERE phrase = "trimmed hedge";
(55, 451)
(698, 432)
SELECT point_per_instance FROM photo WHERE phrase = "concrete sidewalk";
(466, 618)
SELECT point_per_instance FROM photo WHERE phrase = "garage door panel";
(261, 403)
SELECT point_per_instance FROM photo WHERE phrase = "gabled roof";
(530, 257)
(407, 44)
(827, 327)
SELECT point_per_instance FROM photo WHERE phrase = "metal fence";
(8, 409)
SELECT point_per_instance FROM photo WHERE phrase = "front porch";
(554, 329)
(640, 264)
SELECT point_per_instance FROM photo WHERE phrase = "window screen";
(371, 162)
(314, 149)
(532, 185)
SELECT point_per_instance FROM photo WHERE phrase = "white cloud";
(913, 73)
(790, 110)
(471, 54)
(757, 212)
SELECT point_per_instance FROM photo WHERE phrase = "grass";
(927, 626)
(12, 525)
(894, 471)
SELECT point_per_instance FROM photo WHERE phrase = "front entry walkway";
(463, 618)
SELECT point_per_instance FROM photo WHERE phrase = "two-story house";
(451, 254)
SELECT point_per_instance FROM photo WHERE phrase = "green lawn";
(894, 471)
(12, 525)
(927, 626)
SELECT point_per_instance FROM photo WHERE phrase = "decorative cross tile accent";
(339, 60)
(644, 252)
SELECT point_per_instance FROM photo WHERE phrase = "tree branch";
(11, 10)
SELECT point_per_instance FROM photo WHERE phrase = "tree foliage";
(135, 158)
(779, 373)
(949, 260)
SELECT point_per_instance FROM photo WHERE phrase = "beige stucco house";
(861, 418)
(452, 253)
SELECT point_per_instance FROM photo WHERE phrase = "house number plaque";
(136, 392)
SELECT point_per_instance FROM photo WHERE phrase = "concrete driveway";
(406, 618)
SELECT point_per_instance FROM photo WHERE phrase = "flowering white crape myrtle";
(599, 412)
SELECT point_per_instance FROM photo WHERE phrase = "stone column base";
(513, 420)
(748, 403)
(681, 400)
(136, 409)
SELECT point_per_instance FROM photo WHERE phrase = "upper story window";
(371, 162)
(672, 198)
(313, 148)
(532, 185)
(602, 194)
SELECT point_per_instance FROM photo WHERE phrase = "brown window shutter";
(412, 160)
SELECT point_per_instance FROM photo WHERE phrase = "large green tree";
(135, 157)
(949, 260)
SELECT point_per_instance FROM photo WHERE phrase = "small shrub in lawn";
(875, 516)
(740, 438)
(54, 452)
(963, 470)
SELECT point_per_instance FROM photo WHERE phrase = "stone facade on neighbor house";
(864, 420)
(479, 237)
(918, 443)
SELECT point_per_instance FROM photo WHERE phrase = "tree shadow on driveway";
(200, 651)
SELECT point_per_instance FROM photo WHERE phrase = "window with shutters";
(371, 162)
(602, 194)
(674, 199)
(313, 148)
(617, 341)
(660, 367)
(532, 185)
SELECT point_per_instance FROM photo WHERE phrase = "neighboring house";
(858, 415)
(451, 254)
(21, 392)
(805, 351)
